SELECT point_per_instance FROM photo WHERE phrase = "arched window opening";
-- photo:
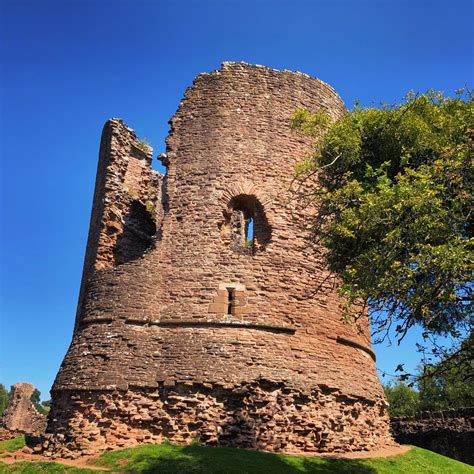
(247, 225)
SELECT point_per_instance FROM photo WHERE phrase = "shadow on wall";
(204, 459)
(250, 413)
(137, 235)
(448, 432)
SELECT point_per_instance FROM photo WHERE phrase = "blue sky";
(67, 66)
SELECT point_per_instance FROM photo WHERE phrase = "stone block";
(218, 308)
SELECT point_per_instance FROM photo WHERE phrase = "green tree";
(395, 196)
(46, 406)
(36, 400)
(36, 397)
(403, 400)
(3, 399)
(449, 384)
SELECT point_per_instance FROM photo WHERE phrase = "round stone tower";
(204, 310)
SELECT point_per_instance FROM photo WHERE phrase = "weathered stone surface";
(8, 434)
(449, 432)
(188, 310)
(261, 415)
(21, 415)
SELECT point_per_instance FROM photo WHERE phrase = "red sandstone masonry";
(21, 415)
(262, 415)
(188, 315)
(124, 182)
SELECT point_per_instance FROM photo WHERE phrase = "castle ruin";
(21, 415)
(191, 326)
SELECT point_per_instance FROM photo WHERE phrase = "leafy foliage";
(449, 384)
(3, 399)
(36, 397)
(445, 385)
(36, 400)
(403, 400)
(395, 197)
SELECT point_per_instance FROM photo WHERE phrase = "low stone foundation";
(260, 415)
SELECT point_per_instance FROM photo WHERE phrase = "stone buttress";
(205, 312)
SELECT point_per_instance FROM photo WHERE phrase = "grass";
(166, 458)
(27, 467)
(194, 459)
(11, 445)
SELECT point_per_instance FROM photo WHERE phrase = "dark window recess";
(230, 299)
(137, 236)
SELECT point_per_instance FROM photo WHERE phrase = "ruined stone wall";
(449, 432)
(203, 309)
(127, 206)
(21, 415)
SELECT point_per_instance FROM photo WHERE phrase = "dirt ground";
(385, 452)
(25, 455)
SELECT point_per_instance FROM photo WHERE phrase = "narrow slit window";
(249, 232)
(230, 299)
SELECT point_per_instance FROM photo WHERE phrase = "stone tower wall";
(203, 334)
